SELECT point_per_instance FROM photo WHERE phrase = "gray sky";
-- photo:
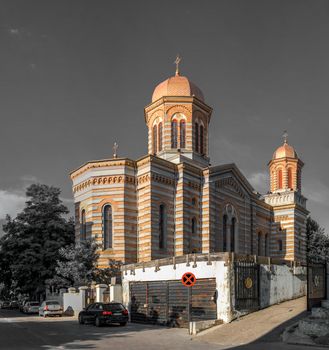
(76, 75)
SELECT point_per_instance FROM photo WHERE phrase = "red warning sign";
(188, 279)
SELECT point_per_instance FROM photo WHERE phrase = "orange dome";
(177, 86)
(285, 151)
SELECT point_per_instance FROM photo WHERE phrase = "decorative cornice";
(230, 181)
(103, 180)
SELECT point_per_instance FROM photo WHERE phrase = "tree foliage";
(317, 241)
(30, 247)
(77, 266)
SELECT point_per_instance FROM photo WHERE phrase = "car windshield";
(34, 304)
(113, 307)
(52, 303)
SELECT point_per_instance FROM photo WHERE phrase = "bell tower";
(178, 121)
(288, 236)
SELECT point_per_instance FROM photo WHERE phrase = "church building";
(172, 202)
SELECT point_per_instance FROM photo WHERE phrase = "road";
(18, 331)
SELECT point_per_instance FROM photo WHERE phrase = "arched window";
(196, 137)
(299, 246)
(266, 245)
(174, 134)
(201, 139)
(160, 137)
(290, 178)
(233, 234)
(224, 233)
(259, 243)
(107, 227)
(83, 229)
(193, 234)
(162, 226)
(280, 184)
(182, 128)
(155, 138)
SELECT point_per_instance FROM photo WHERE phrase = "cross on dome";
(177, 61)
(285, 136)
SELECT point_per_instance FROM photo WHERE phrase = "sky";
(76, 75)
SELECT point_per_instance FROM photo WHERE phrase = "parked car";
(14, 304)
(101, 313)
(50, 308)
(5, 304)
(31, 307)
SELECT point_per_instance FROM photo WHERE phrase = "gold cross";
(177, 61)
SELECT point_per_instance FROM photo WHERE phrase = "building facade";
(172, 202)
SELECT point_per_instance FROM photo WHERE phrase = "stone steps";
(320, 312)
(314, 327)
(325, 304)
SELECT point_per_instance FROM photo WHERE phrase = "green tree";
(30, 247)
(317, 241)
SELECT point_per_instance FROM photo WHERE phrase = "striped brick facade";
(172, 202)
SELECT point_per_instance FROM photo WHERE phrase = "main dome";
(177, 86)
(285, 151)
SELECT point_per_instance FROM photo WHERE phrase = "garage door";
(165, 302)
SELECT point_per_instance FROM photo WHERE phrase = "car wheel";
(123, 324)
(81, 320)
(98, 322)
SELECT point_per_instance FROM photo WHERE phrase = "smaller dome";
(285, 151)
(177, 86)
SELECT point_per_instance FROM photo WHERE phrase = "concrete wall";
(279, 283)
(74, 300)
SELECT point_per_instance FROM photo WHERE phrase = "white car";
(31, 307)
(50, 308)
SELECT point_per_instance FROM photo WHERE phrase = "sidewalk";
(264, 326)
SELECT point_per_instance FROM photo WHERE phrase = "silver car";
(31, 307)
(50, 308)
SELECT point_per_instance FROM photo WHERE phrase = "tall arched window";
(155, 138)
(83, 229)
(266, 245)
(196, 137)
(280, 182)
(162, 226)
(225, 233)
(160, 136)
(107, 227)
(174, 134)
(259, 243)
(290, 178)
(193, 234)
(182, 129)
(233, 234)
(280, 245)
(201, 139)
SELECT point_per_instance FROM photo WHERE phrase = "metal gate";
(316, 284)
(246, 285)
(165, 302)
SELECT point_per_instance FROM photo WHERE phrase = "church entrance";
(166, 302)
(316, 283)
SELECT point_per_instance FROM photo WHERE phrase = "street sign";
(188, 279)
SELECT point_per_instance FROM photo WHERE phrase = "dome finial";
(285, 137)
(177, 61)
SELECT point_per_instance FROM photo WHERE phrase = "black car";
(101, 313)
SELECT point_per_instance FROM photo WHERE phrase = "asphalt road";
(19, 331)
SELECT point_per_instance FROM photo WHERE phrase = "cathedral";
(172, 202)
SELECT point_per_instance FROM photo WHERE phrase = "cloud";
(317, 192)
(14, 31)
(11, 202)
(259, 181)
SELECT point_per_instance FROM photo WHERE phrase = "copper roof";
(285, 151)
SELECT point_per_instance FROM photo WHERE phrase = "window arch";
(155, 138)
(280, 182)
(290, 185)
(83, 229)
(182, 130)
(174, 133)
(162, 226)
(225, 233)
(107, 227)
(201, 139)
(160, 136)
(196, 137)
(232, 234)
